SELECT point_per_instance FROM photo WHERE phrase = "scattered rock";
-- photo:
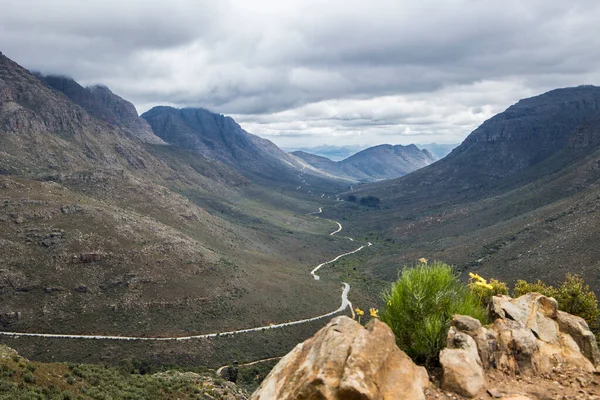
(345, 360)
(494, 393)
(81, 289)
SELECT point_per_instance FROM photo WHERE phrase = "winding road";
(344, 304)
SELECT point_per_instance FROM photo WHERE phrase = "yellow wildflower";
(484, 285)
(477, 278)
(389, 303)
(359, 312)
(374, 313)
(423, 260)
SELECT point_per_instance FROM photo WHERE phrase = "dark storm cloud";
(328, 70)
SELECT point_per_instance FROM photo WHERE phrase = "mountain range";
(516, 200)
(373, 164)
(180, 222)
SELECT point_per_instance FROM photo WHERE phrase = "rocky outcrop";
(529, 336)
(346, 361)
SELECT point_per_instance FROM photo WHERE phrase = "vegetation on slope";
(22, 379)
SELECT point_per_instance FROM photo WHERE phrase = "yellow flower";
(359, 311)
(389, 303)
(484, 285)
(477, 277)
(374, 313)
(423, 260)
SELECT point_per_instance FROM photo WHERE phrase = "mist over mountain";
(438, 150)
(334, 153)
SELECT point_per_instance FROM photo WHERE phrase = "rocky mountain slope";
(220, 137)
(103, 104)
(373, 164)
(517, 198)
(102, 232)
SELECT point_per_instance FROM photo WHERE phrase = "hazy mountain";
(375, 163)
(100, 102)
(518, 199)
(439, 151)
(335, 153)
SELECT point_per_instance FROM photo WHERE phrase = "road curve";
(344, 304)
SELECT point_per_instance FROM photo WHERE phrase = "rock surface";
(529, 337)
(346, 361)
(463, 371)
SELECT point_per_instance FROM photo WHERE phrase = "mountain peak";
(100, 102)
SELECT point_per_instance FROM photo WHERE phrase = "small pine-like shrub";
(420, 305)
(485, 293)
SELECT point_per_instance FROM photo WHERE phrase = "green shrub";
(575, 297)
(522, 287)
(420, 305)
(484, 292)
(28, 377)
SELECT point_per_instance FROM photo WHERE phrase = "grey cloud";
(364, 71)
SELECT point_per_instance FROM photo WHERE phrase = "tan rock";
(530, 336)
(535, 311)
(462, 370)
(580, 332)
(346, 361)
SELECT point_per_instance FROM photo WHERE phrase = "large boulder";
(345, 360)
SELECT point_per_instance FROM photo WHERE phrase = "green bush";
(523, 287)
(28, 377)
(420, 305)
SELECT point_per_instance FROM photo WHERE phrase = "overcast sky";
(312, 72)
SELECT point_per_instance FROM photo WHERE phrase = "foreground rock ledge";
(345, 360)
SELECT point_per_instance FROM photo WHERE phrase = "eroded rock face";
(529, 336)
(346, 361)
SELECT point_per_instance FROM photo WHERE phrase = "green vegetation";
(420, 305)
(370, 201)
(21, 379)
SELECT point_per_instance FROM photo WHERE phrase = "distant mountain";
(439, 151)
(220, 137)
(103, 104)
(373, 164)
(335, 153)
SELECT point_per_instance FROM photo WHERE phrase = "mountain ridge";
(379, 162)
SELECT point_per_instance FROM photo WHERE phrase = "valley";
(178, 238)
